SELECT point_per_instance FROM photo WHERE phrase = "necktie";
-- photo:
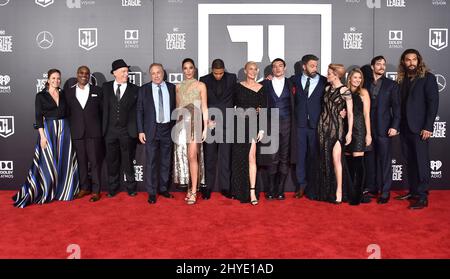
(160, 105)
(118, 92)
(306, 90)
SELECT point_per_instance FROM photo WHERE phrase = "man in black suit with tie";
(309, 88)
(220, 87)
(385, 122)
(156, 101)
(419, 105)
(85, 116)
(119, 128)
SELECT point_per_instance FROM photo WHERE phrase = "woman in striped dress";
(53, 175)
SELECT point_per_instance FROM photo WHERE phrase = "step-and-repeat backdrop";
(36, 35)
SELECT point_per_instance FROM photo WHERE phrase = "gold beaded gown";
(188, 129)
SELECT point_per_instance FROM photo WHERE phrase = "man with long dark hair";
(419, 106)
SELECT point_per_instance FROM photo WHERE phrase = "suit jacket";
(305, 106)
(267, 160)
(226, 100)
(422, 104)
(129, 98)
(388, 110)
(87, 122)
(145, 109)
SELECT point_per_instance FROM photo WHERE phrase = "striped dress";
(53, 174)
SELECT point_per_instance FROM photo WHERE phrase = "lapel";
(413, 85)
(73, 95)
(152, 100)
(126, 95)
(213, 81)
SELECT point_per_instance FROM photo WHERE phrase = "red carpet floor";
(126, 227)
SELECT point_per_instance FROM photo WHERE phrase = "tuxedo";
(158, 136)
(220, 96)
(307, 113)
(85, 122)
(120, 132)
(420, 103)
(384, 114)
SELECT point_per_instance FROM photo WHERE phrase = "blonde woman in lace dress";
(189, 133)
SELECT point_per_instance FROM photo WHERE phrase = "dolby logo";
(131, 39)
(395, 38)
(7, 169)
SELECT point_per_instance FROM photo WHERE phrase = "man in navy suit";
(85, 115)
(385, 122)
(419, 105)
(220, 86)
(155, 103)
(309, 88)
(280, 95)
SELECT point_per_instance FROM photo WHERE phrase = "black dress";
(244, 98)
(358, 143)
(331, 130)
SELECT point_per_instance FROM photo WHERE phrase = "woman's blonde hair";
(352, 73)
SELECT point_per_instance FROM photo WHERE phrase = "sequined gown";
(188, 128)
(330, 129)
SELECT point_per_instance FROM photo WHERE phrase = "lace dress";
(331, 130)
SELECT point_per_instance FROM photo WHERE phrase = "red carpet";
(125, 227)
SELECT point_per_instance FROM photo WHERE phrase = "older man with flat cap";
(119, 128)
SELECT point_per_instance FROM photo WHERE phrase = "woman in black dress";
(331, 172)
(249, 98)
(53, 175)
(361, 136)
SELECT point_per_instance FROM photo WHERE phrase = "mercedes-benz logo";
(3, 2)
(44, 39)
(441, 82)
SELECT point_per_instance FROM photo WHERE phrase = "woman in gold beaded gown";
(190, 132)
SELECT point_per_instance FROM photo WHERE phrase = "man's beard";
(411, 71)
(311, 75)
(379, 73)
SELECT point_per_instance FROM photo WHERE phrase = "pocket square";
(94, 95)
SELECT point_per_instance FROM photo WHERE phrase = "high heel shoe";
(192, 198)
(188, 194)
(338, 198)
(255, 201)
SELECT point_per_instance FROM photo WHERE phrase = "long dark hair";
(421, 67)
(49, 73)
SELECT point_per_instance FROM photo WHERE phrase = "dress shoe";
(407, 196)
(151, 199)
(111, 194)
(82, 193)
(206, 194)
(166, 194)
(299, 194)
(366, 198)
(132, 194)
(281, 197)
(269, 196)
(94, 198)
(383, 200)
(420, 204)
